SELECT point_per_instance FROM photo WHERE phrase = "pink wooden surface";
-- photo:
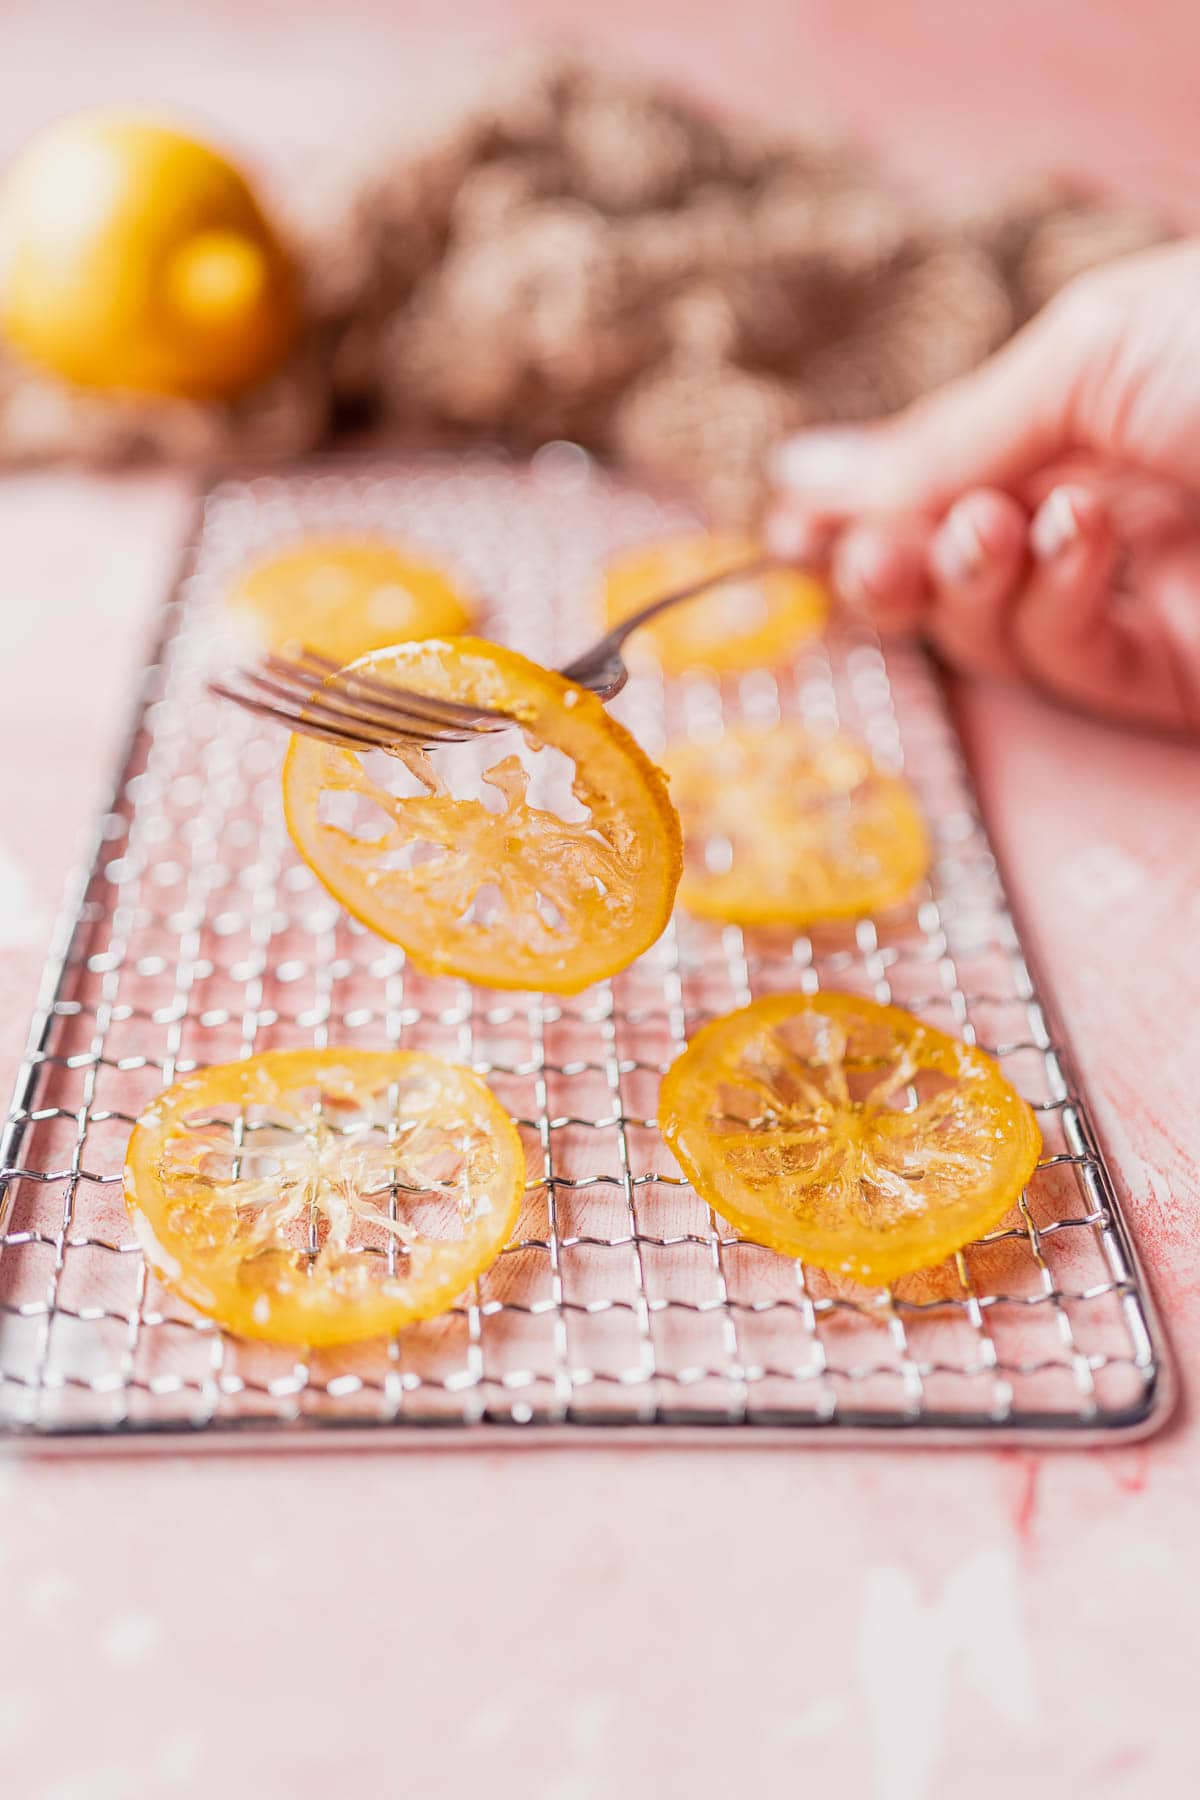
(573, 1625)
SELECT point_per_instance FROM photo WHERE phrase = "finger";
(1082, 640)
(880, 567)
(800, 537)
(990, 428)
(976, 559)
(1176, 601)
(1143, 508)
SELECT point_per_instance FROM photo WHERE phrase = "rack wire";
(196, 935)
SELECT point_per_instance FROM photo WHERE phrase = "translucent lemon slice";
(745, 623)
(545, 857)
(345, 596)
(848, 1134)
(323, 1196)
(781, 828)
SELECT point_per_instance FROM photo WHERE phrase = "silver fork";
(364, 712)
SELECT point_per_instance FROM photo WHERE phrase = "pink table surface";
(576, 1625)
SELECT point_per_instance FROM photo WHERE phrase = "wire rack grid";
(197, 935)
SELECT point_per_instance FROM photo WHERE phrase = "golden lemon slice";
(745, 623)
(344, 596)
(324, 1196)
(781, 828)
(550, 863)
(848, 1134)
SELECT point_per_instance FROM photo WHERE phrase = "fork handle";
(755, 565)
(600, 667)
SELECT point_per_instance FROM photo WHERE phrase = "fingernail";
(796, 537)
(852, 585)
(786, 536)
(816, 460)
(1056, 525)
(958, 548)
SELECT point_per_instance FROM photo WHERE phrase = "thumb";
(990, 428)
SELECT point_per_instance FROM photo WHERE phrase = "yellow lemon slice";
(846, 1133)
(746, 622)
(345, 596)
(781, 828)
(553, 865)
(324, 1196)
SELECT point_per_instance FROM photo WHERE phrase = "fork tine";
(453, 712)
(342, 735)
(274, 676)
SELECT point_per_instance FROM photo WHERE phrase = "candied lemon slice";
(323, 1196)
(745, 623)
(848, 1134)
(545, 857)
(344, 596)
(781, 828)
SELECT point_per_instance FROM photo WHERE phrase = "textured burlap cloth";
(573, 253)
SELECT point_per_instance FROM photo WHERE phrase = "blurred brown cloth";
(575, 253)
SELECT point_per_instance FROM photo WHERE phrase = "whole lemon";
(133, 257)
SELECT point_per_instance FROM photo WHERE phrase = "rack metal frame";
(193, 933)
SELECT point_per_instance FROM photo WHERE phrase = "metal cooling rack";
(196, 935)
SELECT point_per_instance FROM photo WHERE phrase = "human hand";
(1041, 515)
